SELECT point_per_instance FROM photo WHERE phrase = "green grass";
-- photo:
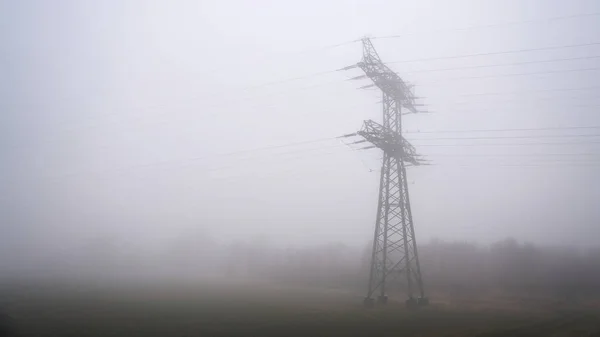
(267, 310)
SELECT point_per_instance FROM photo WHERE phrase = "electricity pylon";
(394, 243)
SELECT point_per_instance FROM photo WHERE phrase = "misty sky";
(151, 120)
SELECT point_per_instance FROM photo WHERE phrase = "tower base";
(369, 302)
(412, 303)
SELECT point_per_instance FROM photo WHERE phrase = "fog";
(149, 140)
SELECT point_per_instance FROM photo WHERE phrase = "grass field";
(268, 310)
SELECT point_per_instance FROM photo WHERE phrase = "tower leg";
(413, 267)
(386, 215)
(374, 273)
(410, 229)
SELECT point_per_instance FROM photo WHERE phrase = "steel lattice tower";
(394, 243)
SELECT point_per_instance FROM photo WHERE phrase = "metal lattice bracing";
(392, 86)
(394, 251)
(394, 244)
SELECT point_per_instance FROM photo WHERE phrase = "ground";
(268, 310)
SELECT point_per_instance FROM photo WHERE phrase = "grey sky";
(116, 115)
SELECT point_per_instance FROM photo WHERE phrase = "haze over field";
(195, 168)
(156, 132)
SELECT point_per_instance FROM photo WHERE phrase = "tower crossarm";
(389, 141)
(384, 78)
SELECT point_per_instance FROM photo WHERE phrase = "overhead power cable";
(502, 64)
(336, 45)
(444, 81)
(571, 100)
(499, 52)
(526, 155)
(245, 98)
(509, 144)
(444, 69)
(235, 152)
(331, 46)
(526, 74)
(510, 129)
(192, 159)
(522, 102)
(129, 168)
(506, 137)
(530, 91)
(479, 166)
(475, 27)
(142, 116)
(301, 77)
(291, 79)
(271, 147)
(170, 112)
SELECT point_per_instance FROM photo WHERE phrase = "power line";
(321, 84)
(533, 165)
(524, 102)
(545, 165)
(430, 132)
(301, 77)
(526, 155)
(396, 36)
(509, 144)
(235, 166)
(260, 149)
(491, 25)
(309, 50)
(479, 130)
(507, 137)
(527, 99)
(336, 45)
(516, 160)
(333, 71)
(510, 129)
(530, 91)
(539, 103)
(245, 98)
(129, 168)
(331, 46)
(508, 75)
(265, 148)
(503, 64)
(285, 80)
(241, 99)
(495, 160)
(526, 74)
(498, 52)
(92, 126)
(158, 163)
(570, 107)
(291, 79)
(445, 30)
